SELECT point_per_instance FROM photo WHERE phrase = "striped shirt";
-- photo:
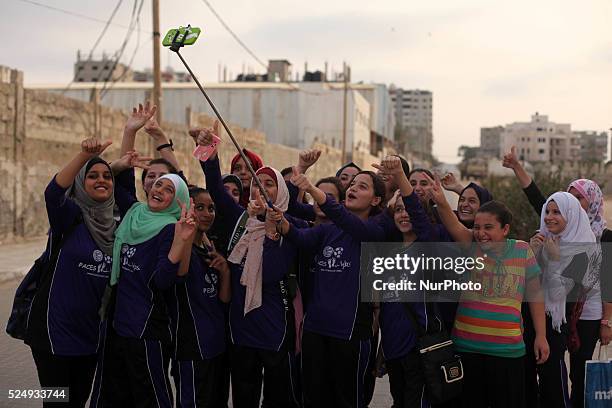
(489, 321)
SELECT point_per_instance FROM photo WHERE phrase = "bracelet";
(163, 146)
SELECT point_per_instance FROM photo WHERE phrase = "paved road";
(17, 367)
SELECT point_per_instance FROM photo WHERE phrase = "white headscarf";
(251, 245)
(576, 238)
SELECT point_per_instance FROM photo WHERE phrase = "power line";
(73, 14)
(110, 20)
(229, 30)
(248, 50)
(134, 19)
(129, 65)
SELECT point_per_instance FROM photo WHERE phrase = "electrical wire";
(136, 10)
(106, 25)
(229, 30)
(73, 14)
(248, 50)
(110, 20)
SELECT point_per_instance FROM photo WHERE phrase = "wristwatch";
(605, 322)
(163, 146)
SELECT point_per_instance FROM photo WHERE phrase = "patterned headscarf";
(591, 191)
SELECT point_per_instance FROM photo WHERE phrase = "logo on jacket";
(127, 253)
(210, 286)
(101, 266)
(98, 256)
(333, 262)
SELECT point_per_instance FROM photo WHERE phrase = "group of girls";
(263, 289)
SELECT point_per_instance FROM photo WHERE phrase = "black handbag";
(442, 368)
(17, 324)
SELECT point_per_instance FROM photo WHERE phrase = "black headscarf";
(349, 164)
(232, 178)
(483, 194)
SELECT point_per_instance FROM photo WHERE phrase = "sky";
(487, 62)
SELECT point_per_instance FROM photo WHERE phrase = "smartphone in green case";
(182, 35)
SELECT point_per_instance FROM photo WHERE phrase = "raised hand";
(307, 158)
(204, 136)
(140, 116)
(301, 181)
(274, 217)
(437, 193)
(186, 226)
(129, 160)
(154, 130)
(257, 206)
(450, 183)
(94, 146)
(141, 162)
(537, 242)
(390, 165)
(510, 159)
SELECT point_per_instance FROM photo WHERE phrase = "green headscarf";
(140, 224)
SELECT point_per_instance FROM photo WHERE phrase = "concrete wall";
(41, 131)
(292, 115)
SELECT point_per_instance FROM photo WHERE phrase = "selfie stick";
(176, 46)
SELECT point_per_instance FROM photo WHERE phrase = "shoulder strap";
(56, 243)
(239, 229)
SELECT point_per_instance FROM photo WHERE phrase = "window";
(95, 68)
(541, 151)
(528, 151)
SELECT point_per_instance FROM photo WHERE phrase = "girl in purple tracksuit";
(64, 330)
(398, 335)
(151, 253)
(337, 326)
(197, 312)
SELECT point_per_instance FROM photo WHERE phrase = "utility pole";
(344, 113)
(157, 97)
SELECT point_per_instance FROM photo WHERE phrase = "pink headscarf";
(251, 243)
(591, 191)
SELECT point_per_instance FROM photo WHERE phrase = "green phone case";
(189, 34)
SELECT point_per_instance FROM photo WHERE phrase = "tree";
(507, 190)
